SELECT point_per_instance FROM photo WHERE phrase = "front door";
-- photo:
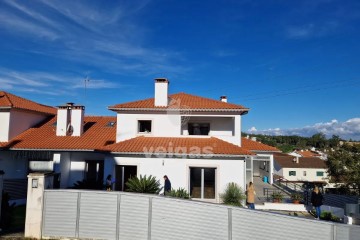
(122, 175)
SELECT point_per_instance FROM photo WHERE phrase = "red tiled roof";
(180, 145)
(257, 146)
(287, 161)
(181, 101)
(308, 154)
(8, 100)
(97, 134)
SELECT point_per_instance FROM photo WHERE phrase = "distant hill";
(290, 143)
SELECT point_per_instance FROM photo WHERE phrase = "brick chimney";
(161, 92)
(70, 120)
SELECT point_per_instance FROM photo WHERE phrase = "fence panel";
(134, 217)
(258, 225)
(59, 214)
(98, 215)
(347, 232)
(117, 215)
(174, 219)
(339, 201)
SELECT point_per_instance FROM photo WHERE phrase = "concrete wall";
(177, 169)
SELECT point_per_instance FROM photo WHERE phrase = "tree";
(344, 166)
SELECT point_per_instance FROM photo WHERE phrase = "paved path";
(259, 189)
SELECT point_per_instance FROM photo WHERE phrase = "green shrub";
(144, 184)
(296, 196)
(328, 216)
(179, 193)
(233, 195)
(277, 196)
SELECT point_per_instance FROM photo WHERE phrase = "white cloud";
(107, 36)
(47, 83)
(348, 129)
(312, 30)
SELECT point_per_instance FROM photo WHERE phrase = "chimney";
(253, 139)
(296, 160)
(161, 92)
(70, 120)
(223, 98)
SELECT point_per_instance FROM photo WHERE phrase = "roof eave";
(51, 149)
(182, 155)
(244, 110)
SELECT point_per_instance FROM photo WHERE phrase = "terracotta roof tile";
(8, 100)
(97, 134)
(308, 154)
(257, 146)
(287, 161)
(179, 145)
(182, 101)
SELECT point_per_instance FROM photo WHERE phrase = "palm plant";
(233, 195)
(144, 184)
(179, 193)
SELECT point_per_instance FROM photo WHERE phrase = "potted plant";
(296, 197)
(277, 197)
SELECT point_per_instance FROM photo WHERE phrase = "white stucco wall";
(163, 125)
(21, 121)
(177, 169)
(13, 167)
(225, 127)
(4, 126)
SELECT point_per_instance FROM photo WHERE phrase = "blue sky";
(295, 64)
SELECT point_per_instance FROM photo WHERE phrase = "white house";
(195, 141)
(300, 169)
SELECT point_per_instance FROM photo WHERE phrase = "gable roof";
(257, 146)
(8, 101)
(287, 161)
(177, 145)
(97, 134)
(182, 101)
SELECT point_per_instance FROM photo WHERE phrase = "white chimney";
(223, 98)
(70, 120)
(161, 92)
(296, 160)
(253, 139)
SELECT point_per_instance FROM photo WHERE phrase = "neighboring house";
(300, 169)
(17, 115)
(196, 141)
(309, 153)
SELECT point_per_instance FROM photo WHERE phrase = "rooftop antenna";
(86, 81)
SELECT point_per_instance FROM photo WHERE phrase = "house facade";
(195, 141)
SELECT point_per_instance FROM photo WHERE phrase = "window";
(292, 173)
(304, 173)
(202, 182)
(199, 128)
(320, 174)
(144, 126)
